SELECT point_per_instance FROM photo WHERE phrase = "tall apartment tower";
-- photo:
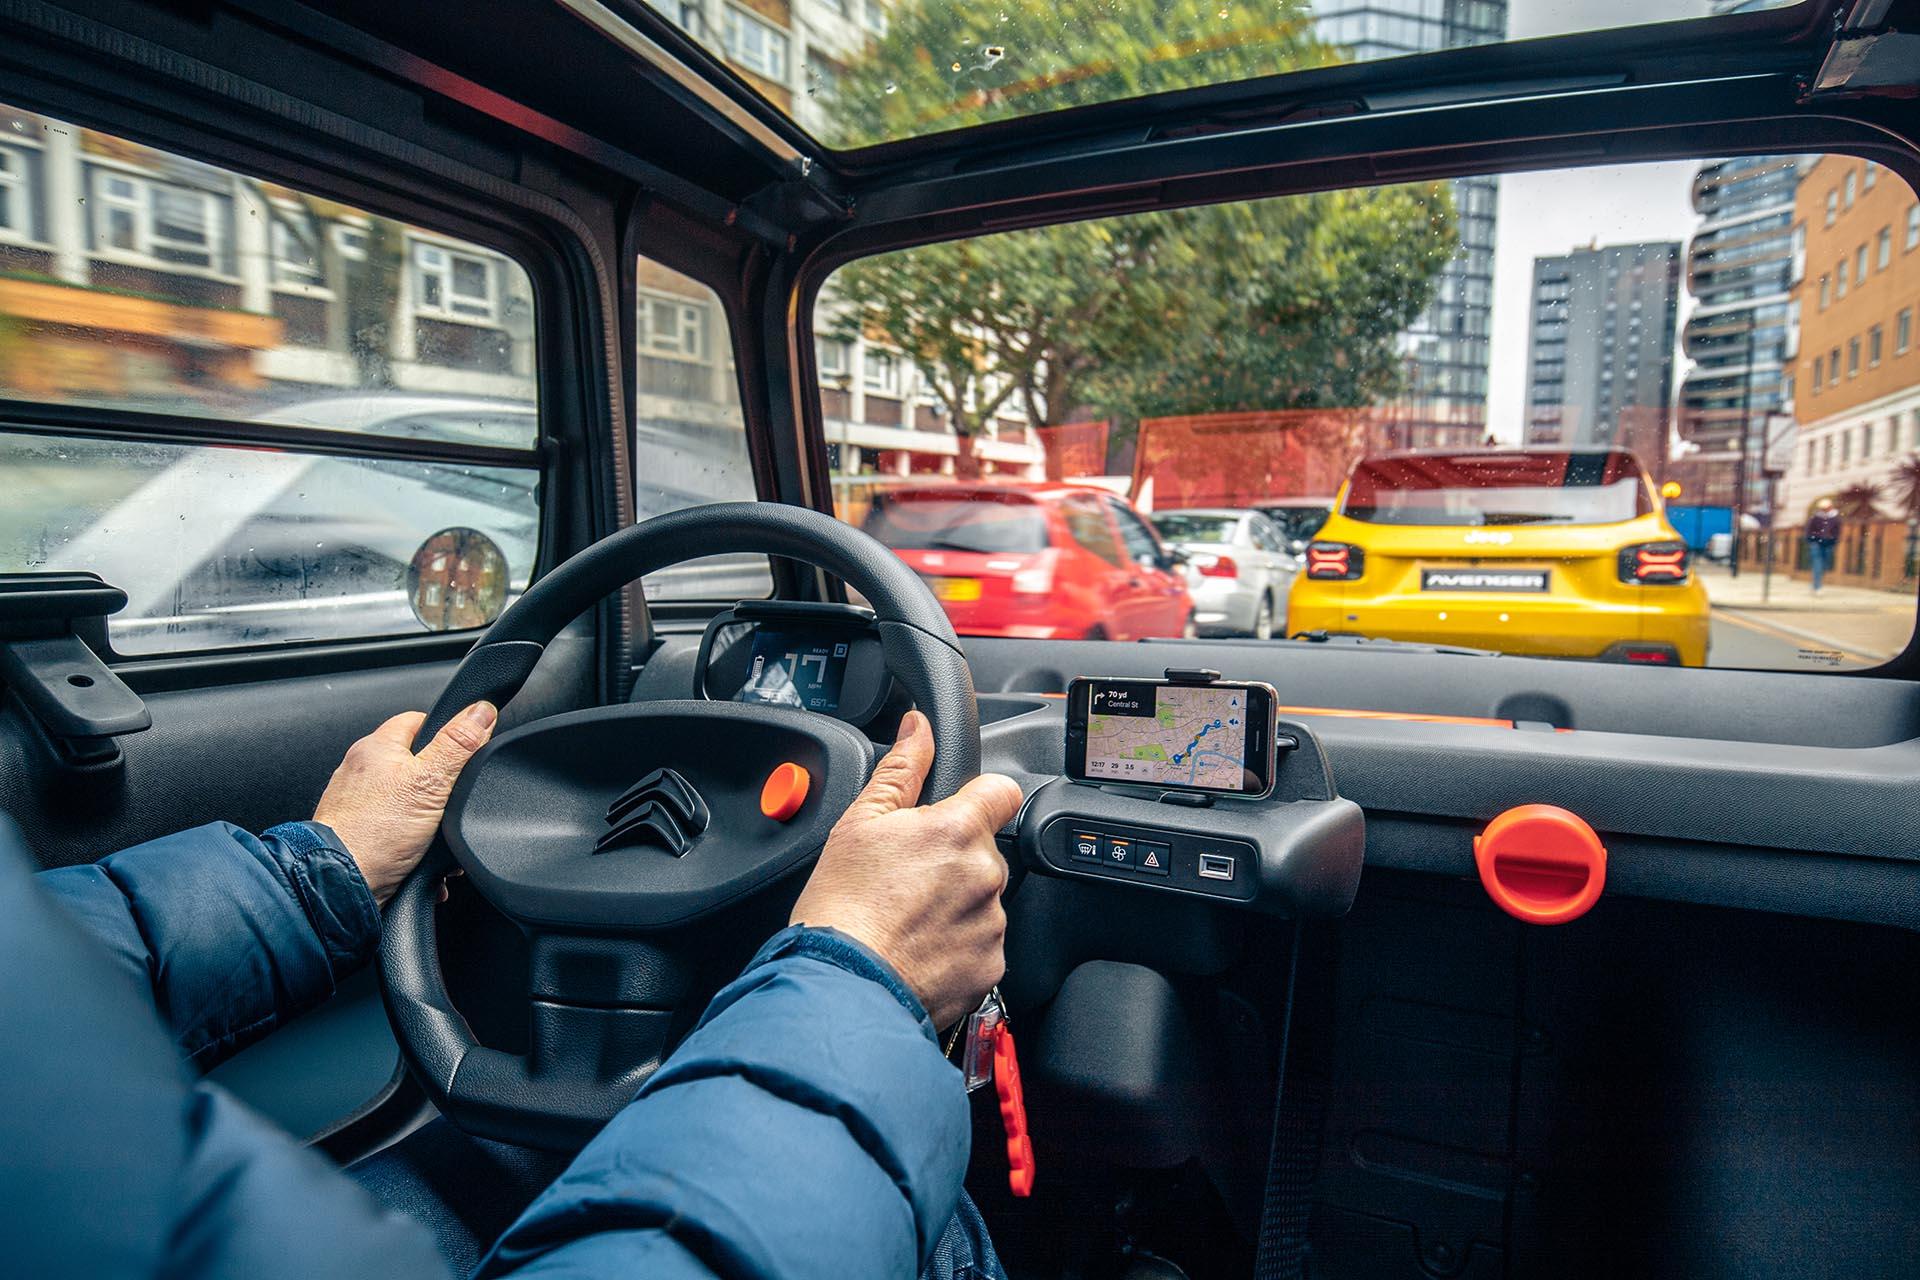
(1744, 332)
(1600, 348)
(1446, 349)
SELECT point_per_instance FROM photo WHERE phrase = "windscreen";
(956, 524)
(1498, 489)
(1590, 413)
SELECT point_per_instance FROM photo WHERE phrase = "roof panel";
(856, 73)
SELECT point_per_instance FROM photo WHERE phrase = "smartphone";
(1216, 738)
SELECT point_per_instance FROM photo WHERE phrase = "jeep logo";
(1490, 537)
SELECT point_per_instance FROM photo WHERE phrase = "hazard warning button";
(1153, 859)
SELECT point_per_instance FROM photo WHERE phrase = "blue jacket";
(809, 1125)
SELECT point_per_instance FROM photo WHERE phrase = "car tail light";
(1335, 561)
(1655, 563)
(1216, 566)
(1036, 579)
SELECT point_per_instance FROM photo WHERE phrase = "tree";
(1281, 304)
(1904, 486)
(1859, 501)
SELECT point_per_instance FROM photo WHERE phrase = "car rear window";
(1498, 489)
(947, 524)
(1745, 331)
(1179, 527)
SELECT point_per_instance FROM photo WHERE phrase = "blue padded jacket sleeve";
(230, 933)
(809, 1126)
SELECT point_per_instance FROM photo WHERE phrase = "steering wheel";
(607, 834)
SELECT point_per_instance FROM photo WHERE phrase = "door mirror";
(457, 580)
(1298, 546)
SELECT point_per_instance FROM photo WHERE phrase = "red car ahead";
(1036, 562)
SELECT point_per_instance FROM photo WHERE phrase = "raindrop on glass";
(892, 87)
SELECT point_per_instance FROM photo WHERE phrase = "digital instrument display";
(790, 669)
(1152, 733)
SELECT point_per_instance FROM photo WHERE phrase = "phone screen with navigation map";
(1155, 733)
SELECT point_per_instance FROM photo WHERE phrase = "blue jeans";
(965, 1252)
(1820, 557)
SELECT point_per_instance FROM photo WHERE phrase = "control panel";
(1219, 866)
(1296, 851)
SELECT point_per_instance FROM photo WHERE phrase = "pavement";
(1782, 622)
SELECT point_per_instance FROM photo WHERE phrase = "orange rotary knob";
(1541, 864)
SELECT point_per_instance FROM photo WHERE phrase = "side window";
(689, 435)
(1264, 536)
(1142, 547)
(132, 279)
(1088, 526)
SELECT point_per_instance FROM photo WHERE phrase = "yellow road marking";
(1799, 642)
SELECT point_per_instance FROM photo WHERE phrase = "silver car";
(1238, 569)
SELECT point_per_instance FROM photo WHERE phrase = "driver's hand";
(385, 802)
(920, 887)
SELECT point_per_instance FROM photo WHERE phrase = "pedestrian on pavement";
(1823, 531)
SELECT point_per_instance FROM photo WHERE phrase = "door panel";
(256, 754)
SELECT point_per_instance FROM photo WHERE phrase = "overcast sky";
(1541, 214)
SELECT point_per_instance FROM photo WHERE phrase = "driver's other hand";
(385, 802)
(920, 887)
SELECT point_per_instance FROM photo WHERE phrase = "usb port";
(1216, 866)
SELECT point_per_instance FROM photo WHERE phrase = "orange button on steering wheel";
(785, 791)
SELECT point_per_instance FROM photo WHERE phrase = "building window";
(1826, 454)
(295, 248)
(1833, 366)
(1866, 440)
(1853, 357)
(1840, 279)
(882, 373)
(1846, 447)
(1873, 347)
(1903, 331)
(450, 285)
(1913, 226)
(673, 327)
(1810, 456)
(1826, 291)
(833, 357)
(16, 197)
(167, 225)
(757, 45)
(1833, 206)
(875, 14)
(1893, 434)
(1883, 250)
(1847, 190)
(1860, 265)
(1818, 380)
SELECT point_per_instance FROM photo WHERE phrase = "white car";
(1239, 569)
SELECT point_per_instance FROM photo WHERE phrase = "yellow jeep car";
(1557, 552)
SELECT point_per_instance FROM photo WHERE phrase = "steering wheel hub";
(532, 804)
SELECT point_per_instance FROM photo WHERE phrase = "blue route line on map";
(1188, 750)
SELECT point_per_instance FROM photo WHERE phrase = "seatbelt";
(1299, 1117)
